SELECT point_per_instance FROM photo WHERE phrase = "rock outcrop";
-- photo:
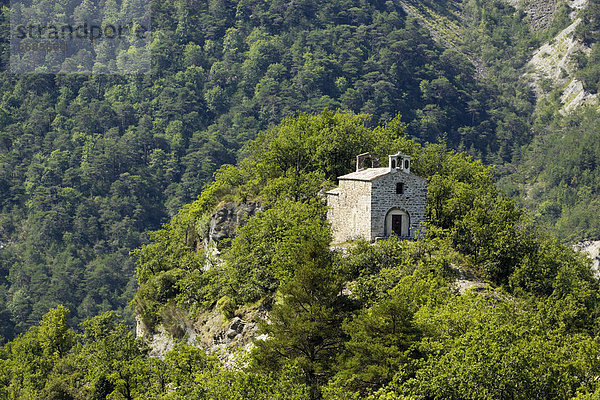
(210, 330)
(592, 248)
(553, 63)
(540, 13)
(226, 221)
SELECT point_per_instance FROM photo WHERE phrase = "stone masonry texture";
(358, 208)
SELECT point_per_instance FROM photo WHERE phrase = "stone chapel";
(375, 203)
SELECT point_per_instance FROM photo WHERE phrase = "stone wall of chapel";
(350, 211)
(384, 198)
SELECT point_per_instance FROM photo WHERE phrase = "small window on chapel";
(400, 188)
(406, 164)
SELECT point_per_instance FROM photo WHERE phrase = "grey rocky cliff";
(592, 249)
(540, 13)
(553, 62)
(226, 221)
(210, 329)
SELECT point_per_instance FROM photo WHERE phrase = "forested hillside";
(556, 175)
(376, 321)
(108, 184)
(89, 163)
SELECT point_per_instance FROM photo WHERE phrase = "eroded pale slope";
(552, 64)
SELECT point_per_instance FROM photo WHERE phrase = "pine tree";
(305, 325)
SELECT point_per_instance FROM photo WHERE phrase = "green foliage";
(588, 72)
(89, 163)
(496, 350)
(29, 360)
(268, 250)
(454, 184)
(589, 29)
(376, 321)
(113, 360)
(374, 269)
(383, 339)
(469, 222)
(547, 266)
(305, 324)
(291, 161)
(327, 143)
(558, 178)
(285, 171)
(555, 174)
(161, 265)
(106, 362)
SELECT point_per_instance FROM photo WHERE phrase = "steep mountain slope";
(554, 66)
(89, 163)
(355, 319)
(556, 174)
(541, 13)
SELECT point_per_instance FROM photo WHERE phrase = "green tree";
(28, 361)
(304, 328)
(114, 361)
(384, 339)
(267, 250)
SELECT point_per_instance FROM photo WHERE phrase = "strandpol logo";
(86, 36)
(83, 31)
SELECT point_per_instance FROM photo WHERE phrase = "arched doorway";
(397, 222)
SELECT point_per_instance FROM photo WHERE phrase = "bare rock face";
(592, 248)
(553, 62)
(209, 330)
(225, 222)
(540, 13)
